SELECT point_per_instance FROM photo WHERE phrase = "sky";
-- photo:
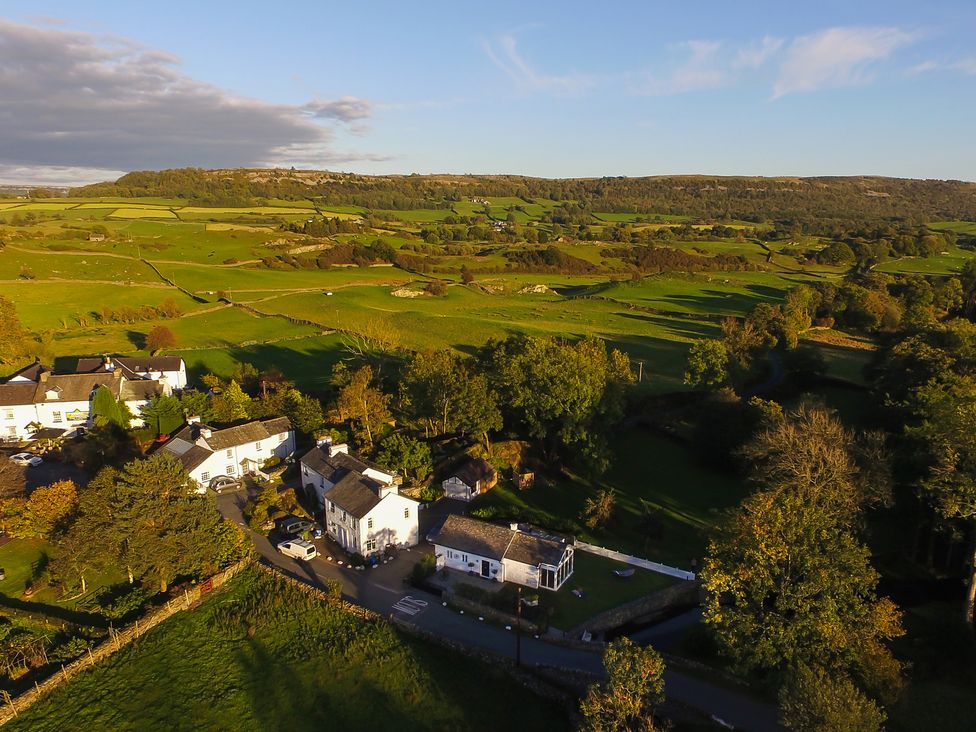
(554, 89)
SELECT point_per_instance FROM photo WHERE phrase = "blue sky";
(548, 89)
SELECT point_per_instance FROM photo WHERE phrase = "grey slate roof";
(498, 542)
(242, 434)
(75, 387)
(474, 470)
(355, 494)
(134, 365)
(333, 467)
(14, 394)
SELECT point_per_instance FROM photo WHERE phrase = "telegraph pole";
(518, 628)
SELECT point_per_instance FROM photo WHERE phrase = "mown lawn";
(601, 588)
(20, 560)
(260, 655)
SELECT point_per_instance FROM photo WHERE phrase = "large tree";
(147, 519)
(232, 404)
(567, 395)
(814, 700)
(360, 402)
(788, 582)
(634, 686)
(14, 341)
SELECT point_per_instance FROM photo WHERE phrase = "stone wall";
(644, 609)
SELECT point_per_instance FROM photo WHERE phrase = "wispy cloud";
(344, 109)
(834, 57)
(964, 65)
(504, 53)
(700, 69)
(756, 55)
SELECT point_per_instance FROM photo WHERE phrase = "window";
(204, 476)
(56, 416)
(369, 523)
(331, 507)
(464, 557)
(450, 554)
(406, 512)
(8, 413)
(11, 432)
(548, 578)
(257, 446)
(371, 545)
(282, 437)
(230, 470)
(343, 515)
(230, 453)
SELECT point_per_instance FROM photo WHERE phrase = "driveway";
(383, 591)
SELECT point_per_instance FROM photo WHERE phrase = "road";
(382, 590)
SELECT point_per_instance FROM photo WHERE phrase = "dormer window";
(52, 394)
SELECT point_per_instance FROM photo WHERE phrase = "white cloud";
(834, 57)
(756, 55)
(504, 53)
(83, 101)
(54, 175)
(701, 69)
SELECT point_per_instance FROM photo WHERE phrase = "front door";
(485, 568)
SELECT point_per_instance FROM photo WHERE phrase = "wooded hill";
(796, 200)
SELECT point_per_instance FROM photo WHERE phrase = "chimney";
(385, 490)
(341, 447)
(193, 420)
(42, 378)
(513, 526)
(323, 442)
(107, 363)
(205, 432)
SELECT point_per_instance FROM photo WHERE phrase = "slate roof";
(139, 390)
(184, 445)
(355, 494)
(16, 394)
(75, 387)
(498, 542)
(135, 365)
(32, 372)
(334, 466)
(473, 471)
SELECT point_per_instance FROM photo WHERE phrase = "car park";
(224, 483)
(26, 459)
(298, 549)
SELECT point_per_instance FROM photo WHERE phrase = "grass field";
(264, 656)
(687, 497)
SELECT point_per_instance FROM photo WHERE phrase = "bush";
(423, 569)
(430, 493)
(124, 601)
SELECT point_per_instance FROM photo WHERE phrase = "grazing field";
(142, 213)
(948, 262)
(266, 656)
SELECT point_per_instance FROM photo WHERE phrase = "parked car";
(224, 483)
(26, 459)
(298, 549)
(317, 532)
(292, 525)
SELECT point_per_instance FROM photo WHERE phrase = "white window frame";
(204, 476)
(257, 446)
(369, 523)
(8, 413)
(56, 417)
(230, 453)
(406, 512)
(371, 545)
(231, 470)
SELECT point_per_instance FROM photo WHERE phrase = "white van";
(298, 549)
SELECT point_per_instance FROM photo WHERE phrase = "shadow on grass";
(54, 612)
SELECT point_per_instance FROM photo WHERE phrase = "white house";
(326, 464)
(35, 398)
(503, 554)
(169, 371)
(472, 478)
(361, 502)
(207, 453)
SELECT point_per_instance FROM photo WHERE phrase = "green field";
(261, 655)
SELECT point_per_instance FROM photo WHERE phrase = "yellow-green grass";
(20, 560)
(418, 215)
(45, 205)
(308, 361)
(260, 210)
(251, 282)
(230, 326)
(48, 305)
(72, 266)
(142, 213)
(960, 227)
(10, 204)
(237, 227)
(601, 589)
(950, 262)
(260, 655)
(134, 203)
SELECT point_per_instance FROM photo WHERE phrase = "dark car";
(292, 525)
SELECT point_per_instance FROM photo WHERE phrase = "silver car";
(224, 483)
(26, 459)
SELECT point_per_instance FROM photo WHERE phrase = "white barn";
(472, 478)
(503, 554)
(207, 453)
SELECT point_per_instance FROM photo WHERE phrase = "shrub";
(423, 569)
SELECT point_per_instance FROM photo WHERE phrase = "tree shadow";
(77, 617)
(137, 339)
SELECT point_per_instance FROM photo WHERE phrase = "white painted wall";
(522, 574)
(14, 420)
(456, 488)
(228, 462)
(462, 562)
(395, 520)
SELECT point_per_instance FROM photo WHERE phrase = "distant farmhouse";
(514, 554)
(364, 511)
(36, 399)
(208, 454)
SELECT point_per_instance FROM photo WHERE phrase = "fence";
(635, 561)
(117, 640)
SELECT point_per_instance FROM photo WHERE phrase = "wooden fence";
(118, 639)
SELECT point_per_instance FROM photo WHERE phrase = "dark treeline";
(814, 205)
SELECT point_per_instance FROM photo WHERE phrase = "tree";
(107, 410)
(304, 412)
(14, 342)
(708, 362)
(633, 688)
(232, 404)
(159, 338)
(49, 509)
(946, 408)
(817, 701)
(162, 414)
(598, 509)
(13, 479)
(787, 581)
(148, 520)
(365, 406)
(407, 454)
(467, 276)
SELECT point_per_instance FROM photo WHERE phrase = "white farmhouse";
(169, 371)
(207, 453)
(361, 502)
(503, 554)
(472, 478)
(326, 464)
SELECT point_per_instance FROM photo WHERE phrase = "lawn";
(21, 559)
(687, 499)
(601, 588)
(261, 655)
